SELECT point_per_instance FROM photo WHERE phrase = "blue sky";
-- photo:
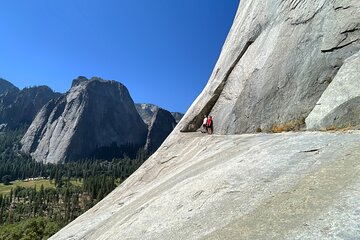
(163, 51)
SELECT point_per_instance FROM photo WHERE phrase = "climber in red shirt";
(210, 124)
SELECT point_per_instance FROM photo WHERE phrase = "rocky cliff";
(93, 118)
(160, 123)
(178, 116)
(6, 86)
(279, 58)
(146, 111)
(286, 64)
(19, 107)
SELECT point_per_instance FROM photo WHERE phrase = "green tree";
(6, 179)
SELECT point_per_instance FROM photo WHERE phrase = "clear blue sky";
(163, 51)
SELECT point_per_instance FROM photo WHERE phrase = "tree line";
(17, 166)
(65, 201)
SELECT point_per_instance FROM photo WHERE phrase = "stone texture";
(6, 86)
(19, 108)
(80, 79)
(160, 123)
(339, 105)
(146, 111)
(278, 59)
(178, 116)
(264, 186)
(94, 115)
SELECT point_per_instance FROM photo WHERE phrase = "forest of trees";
(53, 208)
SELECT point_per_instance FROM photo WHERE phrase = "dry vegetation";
(295, 125)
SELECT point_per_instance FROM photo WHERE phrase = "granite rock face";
(278, 59)
(339, 105)
(160, 123)
(251, 186)
(6, 86)
(94, 115)
(178, 116)
(146, 111)
(281, 58)
(19, 107)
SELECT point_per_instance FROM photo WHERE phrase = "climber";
(210, 125)
(204, 125)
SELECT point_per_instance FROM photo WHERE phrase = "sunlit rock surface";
(339, 105)
(94, 114)
(279, 58)
(265, 186)
(277, 61)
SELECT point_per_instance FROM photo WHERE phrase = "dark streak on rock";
(341, 8)
(197, 120)
(339, 46)
(311, 150)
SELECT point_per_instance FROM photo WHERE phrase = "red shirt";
(209, 121)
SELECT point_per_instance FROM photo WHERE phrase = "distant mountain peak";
(178, 116)
(99, 111)
(19, 107)
(79, 80)
(146, 111)
(6, 86)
